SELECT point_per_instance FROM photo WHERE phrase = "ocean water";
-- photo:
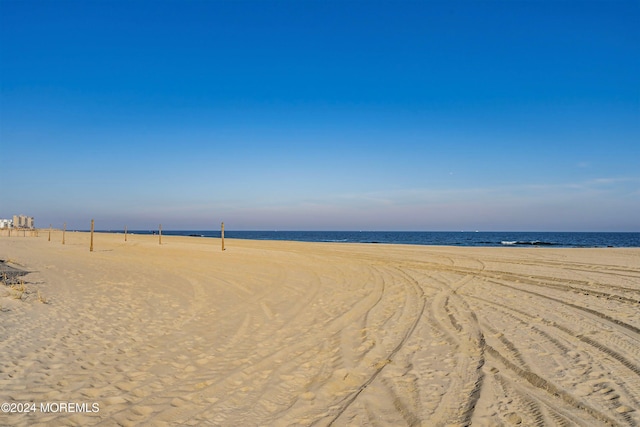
(452, 238)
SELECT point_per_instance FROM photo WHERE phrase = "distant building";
(6, 223)
(23, 221)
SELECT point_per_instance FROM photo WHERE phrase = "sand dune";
(287, 333)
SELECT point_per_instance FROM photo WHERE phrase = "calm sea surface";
(524, 239)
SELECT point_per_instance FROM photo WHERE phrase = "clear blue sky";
(343, 115)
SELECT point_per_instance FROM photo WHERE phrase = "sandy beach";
(288, 333)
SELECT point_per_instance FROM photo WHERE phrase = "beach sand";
(289, 333)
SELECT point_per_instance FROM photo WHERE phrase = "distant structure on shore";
(19, 221)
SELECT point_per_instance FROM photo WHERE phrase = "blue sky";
(317, 115)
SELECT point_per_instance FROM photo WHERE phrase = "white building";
(6, 223)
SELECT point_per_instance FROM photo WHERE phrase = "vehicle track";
(629, 388)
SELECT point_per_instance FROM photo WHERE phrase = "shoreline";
(438, 239)
(56, 237)
(281, 332)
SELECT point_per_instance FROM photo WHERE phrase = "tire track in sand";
(450, 314)
(590, 400)
(413, 295)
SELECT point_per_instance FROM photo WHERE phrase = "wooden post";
(160, 234)
(64, 230)
(222, 234)
(91, 247)
(49, 232)
(125, 233)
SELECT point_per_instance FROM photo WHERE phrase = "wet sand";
(290, 333)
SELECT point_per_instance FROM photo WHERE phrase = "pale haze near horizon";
(321, 115)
